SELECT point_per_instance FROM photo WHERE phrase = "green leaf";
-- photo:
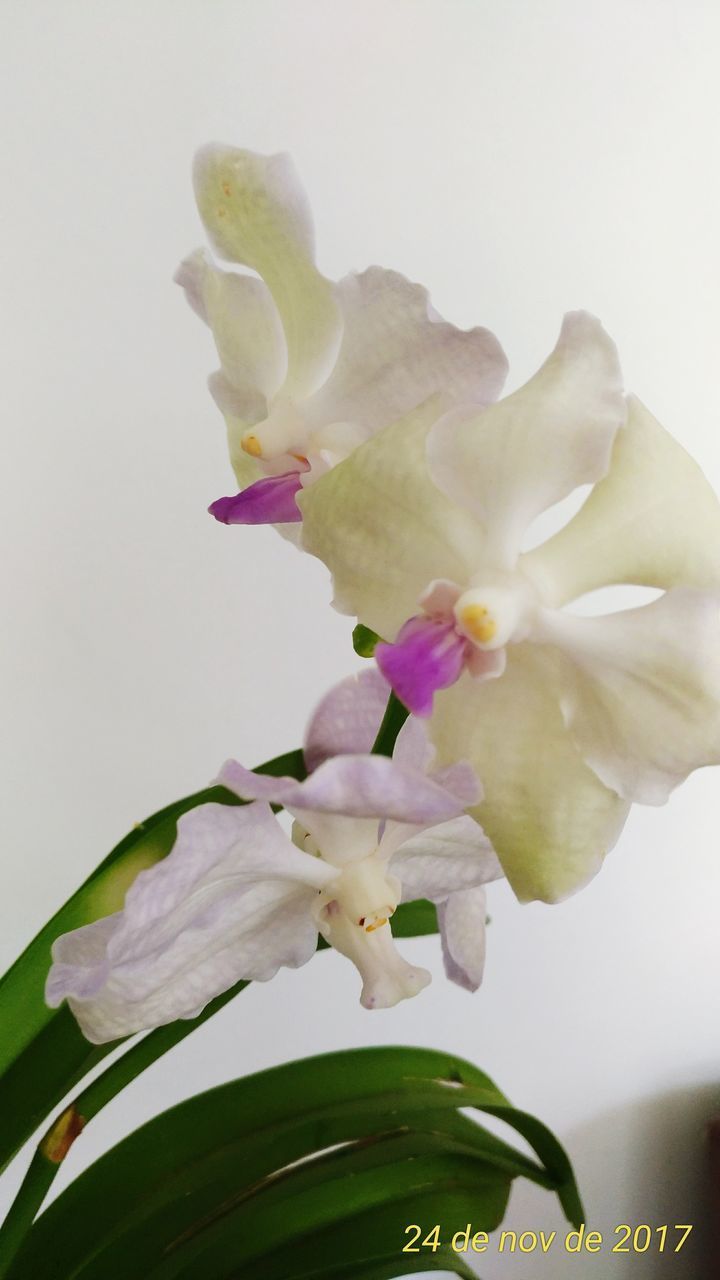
(364, 641)
(346, 1147)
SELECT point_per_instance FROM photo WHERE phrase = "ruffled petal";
(347, 720)
(267, 501)
(385, 530)
(352, 786)
(512, 461)
(233, 900)
(462, 933)
(653, 521)
(256, 213)
(244, 321)
(445, 859)
(396, 352)
(548, 816)
(641, 690)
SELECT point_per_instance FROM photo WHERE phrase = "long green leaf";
(205, 1177)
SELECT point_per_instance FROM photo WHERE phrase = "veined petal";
(641, 690)
(233, 900)
(462, 933)
(347, 720)
(385, 530)
(256, 213)
(548, 816)
(244, 321)
(445, 859)
(352, 786)
(515, 459)
(653, 521)
(396, 352)
(267, 501)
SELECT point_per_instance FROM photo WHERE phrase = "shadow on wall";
(645, 1163)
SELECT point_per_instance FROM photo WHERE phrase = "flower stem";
(392, 722)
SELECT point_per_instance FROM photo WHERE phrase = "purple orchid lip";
(267, 501)
(428, 655)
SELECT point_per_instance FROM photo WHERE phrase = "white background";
(520, 159)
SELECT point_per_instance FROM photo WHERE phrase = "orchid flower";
(567, 719)
(238, 898)
(309, 369)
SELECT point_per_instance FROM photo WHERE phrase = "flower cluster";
(369, 430)
(239, 898)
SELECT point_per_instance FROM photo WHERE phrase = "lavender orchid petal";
(267, 501)
(347, 720)
(451, 857)
(462, 932)
(233, 900)
(355, 786)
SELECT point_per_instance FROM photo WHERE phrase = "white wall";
(520, 159)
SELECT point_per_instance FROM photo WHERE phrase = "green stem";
(392, 722)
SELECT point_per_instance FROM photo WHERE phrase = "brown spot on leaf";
(59, 1139)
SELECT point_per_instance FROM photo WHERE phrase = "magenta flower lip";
(267, 501)
(428, 655)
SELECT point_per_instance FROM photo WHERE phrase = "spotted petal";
(519, 457)
(385, 530)
(653, 521)
(233, 900)
(397, 351)
(641, 690)
(256, 213)
(548, 816)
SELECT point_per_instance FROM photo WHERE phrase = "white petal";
(451, 856)
(385, 530)
(396, 351)
(234, 899)
(347, 720)
(641, 690)
(654, 521)
(244, 321)
(387, 977)
(549, 818)
(512, 461)
(257, 214)
(462, 933)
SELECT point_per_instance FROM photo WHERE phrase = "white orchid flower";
(309, 369)
(567, 719)
(237, 898)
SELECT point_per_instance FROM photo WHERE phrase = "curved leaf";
(232, 1178)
